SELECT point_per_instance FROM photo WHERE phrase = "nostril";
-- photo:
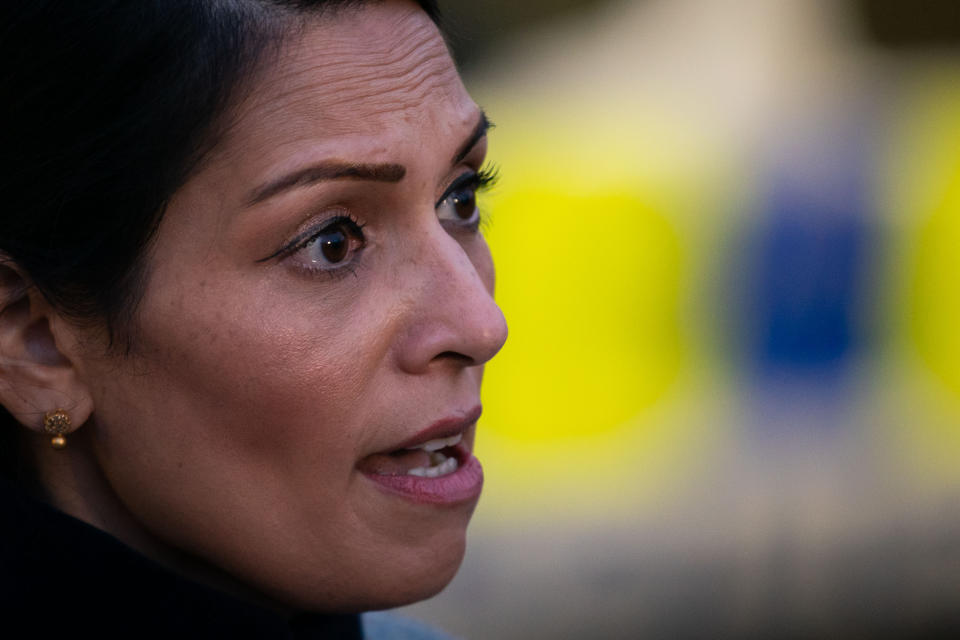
(453, 355)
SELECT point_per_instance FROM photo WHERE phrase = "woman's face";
(318, 303)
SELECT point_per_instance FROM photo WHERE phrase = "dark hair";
(108, 105)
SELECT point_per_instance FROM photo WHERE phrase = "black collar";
(59, 576)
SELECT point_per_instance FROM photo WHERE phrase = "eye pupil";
(464, 204)
(334, 245)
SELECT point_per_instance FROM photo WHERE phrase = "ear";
(36, 374)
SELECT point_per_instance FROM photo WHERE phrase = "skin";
(231, 438)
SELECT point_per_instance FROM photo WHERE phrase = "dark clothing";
(60, 577)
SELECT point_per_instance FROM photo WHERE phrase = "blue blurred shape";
(806, 270)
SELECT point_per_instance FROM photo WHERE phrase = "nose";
(452, 316)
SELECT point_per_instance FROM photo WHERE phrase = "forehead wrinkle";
(414, 29)
(388, 92)
(347, 103)
(336, 78)
(364, 74)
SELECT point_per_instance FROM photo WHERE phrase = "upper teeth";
(439, 443)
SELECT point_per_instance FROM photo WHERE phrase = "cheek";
(215, 427)
(226, 387)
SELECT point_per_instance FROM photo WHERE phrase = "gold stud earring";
(57, 423)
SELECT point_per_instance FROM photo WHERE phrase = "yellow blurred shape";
(591, 269)
(591, 294)
(932, 172)
(922, 193)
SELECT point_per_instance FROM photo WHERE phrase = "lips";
(434, 466)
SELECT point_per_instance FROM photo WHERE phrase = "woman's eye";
(333, 246)
(459, 203)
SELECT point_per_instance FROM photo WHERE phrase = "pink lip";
(444, 428)
(462, 486)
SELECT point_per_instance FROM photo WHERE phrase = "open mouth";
(435, 466)
(432, 459)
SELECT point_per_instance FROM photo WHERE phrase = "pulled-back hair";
(108, 105)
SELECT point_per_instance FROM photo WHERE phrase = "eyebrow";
(390, 173)
(328, 171)
(483, 125)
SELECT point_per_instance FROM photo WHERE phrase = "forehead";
(367, 75)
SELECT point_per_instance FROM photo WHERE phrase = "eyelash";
(481, 180)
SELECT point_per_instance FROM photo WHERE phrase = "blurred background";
(727, 235)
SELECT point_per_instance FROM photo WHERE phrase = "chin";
(422, 575)
(408, 575)
(429, 576)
